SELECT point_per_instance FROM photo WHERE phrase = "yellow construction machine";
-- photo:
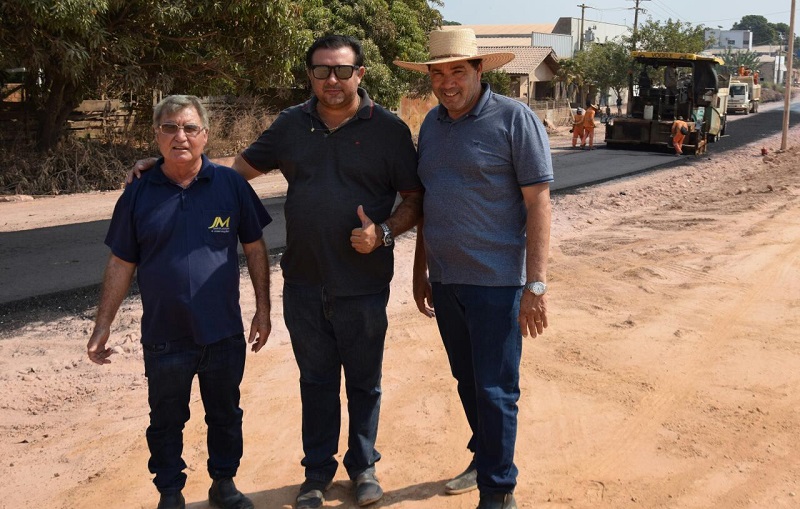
(690, 88)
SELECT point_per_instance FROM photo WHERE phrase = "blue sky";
(711, 13)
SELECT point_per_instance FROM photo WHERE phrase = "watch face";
(387, 235)
(537, 288)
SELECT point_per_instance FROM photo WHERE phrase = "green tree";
(734, 58)
(388, 30)
(606, 66)
(672, 36)
(499, 81)
(763, 31)
(74, 49)
(570, 77)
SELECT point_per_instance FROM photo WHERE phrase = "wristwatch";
(388, 240)
(536, 288)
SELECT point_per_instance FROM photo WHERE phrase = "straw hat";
(453, 46)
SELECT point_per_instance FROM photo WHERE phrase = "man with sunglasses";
(345, 159)
(178, 228)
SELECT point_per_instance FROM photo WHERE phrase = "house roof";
(505, 30)
(527, 58)
(504, 41)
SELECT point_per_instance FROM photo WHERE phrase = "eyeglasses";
(190, 130)
(342, 72)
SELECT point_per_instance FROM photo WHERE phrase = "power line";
(675, 14)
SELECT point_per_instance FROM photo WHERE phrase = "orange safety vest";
(588, 119)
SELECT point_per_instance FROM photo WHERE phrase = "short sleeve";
(121, 236)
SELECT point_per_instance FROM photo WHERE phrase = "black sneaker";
(497, 501)
(368, 489)
(463, 482)
(224, 495)
(172, 501)
(311, 494)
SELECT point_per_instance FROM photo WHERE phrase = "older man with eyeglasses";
(178, 228)
(345, 159)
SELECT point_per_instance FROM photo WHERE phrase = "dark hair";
(336, 42)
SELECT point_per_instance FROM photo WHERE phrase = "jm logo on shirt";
(220, 225)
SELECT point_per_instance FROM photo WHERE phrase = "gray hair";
(175, 103)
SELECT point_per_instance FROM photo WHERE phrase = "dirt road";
(669, 376)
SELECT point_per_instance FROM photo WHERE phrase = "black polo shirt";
(365, 162)
(184, 243)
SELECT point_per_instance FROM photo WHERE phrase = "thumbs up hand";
(364, 239)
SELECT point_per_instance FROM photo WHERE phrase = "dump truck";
(744, 94)
(690, 89)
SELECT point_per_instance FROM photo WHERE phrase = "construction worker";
(577, 127)
(679, 131)
(588, 125)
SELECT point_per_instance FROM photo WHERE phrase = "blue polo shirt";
(184, 243)
(473, 169)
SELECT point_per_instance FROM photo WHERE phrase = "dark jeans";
(330, 334)
(482, 337)
(170, 368)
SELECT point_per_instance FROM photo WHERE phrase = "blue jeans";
(483, 341)
(170, 368)
(330, 334)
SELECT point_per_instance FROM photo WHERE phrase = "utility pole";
(787, 95)
(633, 48)
(583, 10)
(636, 22)
(580, 44)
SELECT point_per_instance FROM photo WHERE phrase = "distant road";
(580, 168)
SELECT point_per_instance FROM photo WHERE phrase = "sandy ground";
(669, 376)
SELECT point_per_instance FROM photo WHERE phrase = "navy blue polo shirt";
(184, 243)
(367, 161)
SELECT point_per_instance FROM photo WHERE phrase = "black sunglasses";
(342, 72)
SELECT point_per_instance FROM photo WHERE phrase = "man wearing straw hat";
(481, 257)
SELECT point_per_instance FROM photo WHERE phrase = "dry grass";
(75, 166)
(235, 126)
(81, 165)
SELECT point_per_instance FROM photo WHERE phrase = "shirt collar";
(206, 171)
(364, 111)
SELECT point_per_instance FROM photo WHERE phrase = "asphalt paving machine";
(689, 88)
